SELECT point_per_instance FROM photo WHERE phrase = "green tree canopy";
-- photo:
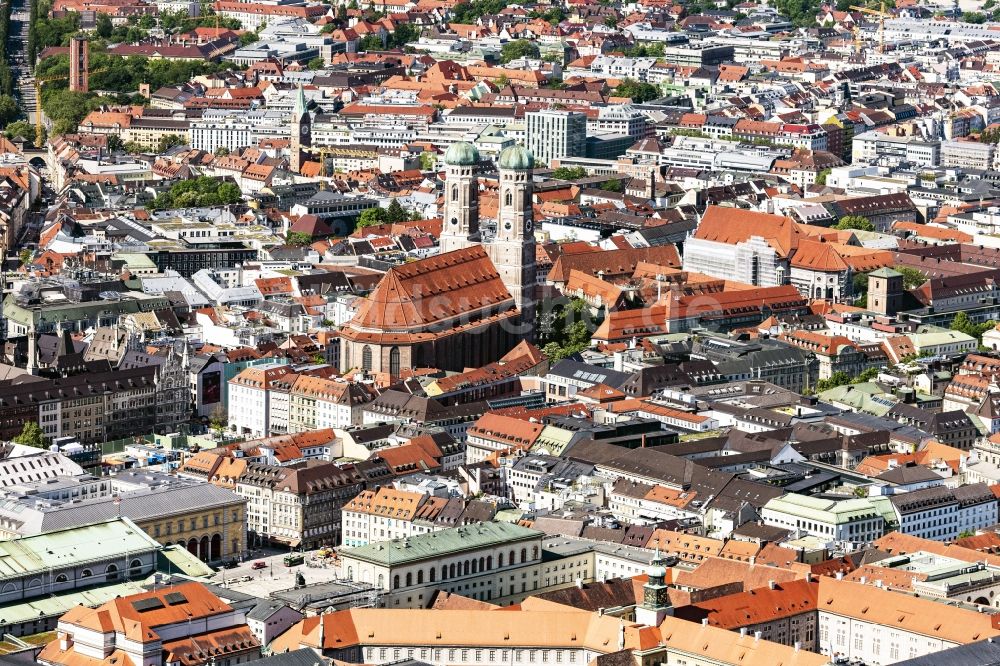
(395, 213)
(856, 222)
(569, 173)
(519, 48)
(637, 91)
(297, 238)
(31, 435)
(912, 278)
(372, 217)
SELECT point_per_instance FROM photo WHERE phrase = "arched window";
(409, 579)
(534, 553)
(394, 361)
(500, 560)
(350, 573)
(366, 358)
(395, 582)
(61, 578)
(420, 576)
(508, 198)
(467, 567)
(454, 192)
(381, 581)
(86, 573)
(475, 569)
(433, 574)
(489, 562)
(513, 560)
(482, 564)
(112, 572)
(451, 573)
(524, 555)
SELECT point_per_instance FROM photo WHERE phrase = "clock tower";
(301, 132)
(513, 247)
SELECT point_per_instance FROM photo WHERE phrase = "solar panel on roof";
(174, 598)
(143, 605)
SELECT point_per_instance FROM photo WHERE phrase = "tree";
(27, 254)
(221, 151)
(973, 17)
(297, 239)
(427, 161)
(115, 143)
(31, 435)
(372, 217)
(912, 278)
(612, 186)
(822, 176)
(341, 14)
(169, 141)
(228, 193)
(395, 213)
(248, 38)
(316, 63)
(838, 378)
(371, 43)
(519, 48)
(405, 34)
(103, 27)
(218, 419)
(856, 222)
(865, 376)
(637, 91)
(19, 128)
(963, 324)
(569, 173)
(8, 109)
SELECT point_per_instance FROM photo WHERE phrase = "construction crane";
(882, 16)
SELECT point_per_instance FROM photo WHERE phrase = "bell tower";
(301, 132)
(513, 248)
(460, 227)
(655, 595)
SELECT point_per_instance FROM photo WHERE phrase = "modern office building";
(555, 134)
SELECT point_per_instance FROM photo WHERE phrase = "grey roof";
(303, 657)
(264, 610)
(137, 505)
(980, 653)
(584, 372)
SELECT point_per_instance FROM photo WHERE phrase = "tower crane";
(882, 16)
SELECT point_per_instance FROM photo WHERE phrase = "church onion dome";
(462, 153)
(517, 158)
(657, 571)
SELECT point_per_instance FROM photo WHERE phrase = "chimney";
(771, 584)
(743, 631)
(756, 635)
(579, 583)
(798, 646)
(809, 576)
(840, 575)
(704, 621)
(65, 641)
(864, 579)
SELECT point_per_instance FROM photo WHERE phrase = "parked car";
(259, 564)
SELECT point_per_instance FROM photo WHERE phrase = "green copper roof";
(436, 544)
(516, 157)
(462, 153)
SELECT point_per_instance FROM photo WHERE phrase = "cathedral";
(471, 303)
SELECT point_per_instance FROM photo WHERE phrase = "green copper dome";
(517, 157)
(461, 154)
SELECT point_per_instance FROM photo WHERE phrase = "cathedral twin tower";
(512, 249)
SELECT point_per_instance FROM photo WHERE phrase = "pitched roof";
(735, 225)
